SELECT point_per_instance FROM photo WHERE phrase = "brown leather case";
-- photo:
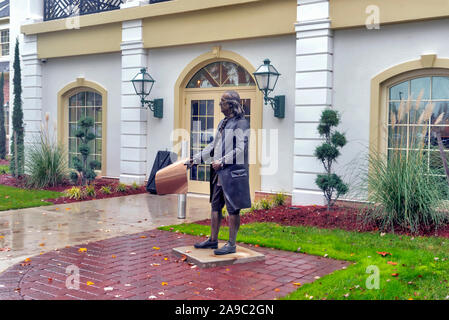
(172, 179)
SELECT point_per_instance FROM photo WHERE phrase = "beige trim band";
(134, 13)
(352, 13)
(167, 25)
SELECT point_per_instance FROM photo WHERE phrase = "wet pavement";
(28, 232)
(142, 266)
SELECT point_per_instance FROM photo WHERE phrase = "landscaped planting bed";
(8, 180)
(350, 219)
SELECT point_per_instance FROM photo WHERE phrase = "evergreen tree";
(84, 166)
(327, 154)
(2, 120)
(17, 146)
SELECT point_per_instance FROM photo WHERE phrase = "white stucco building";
(195, 50)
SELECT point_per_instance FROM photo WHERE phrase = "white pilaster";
(313, 94)
(32, 90)
(133, 128)
(35, 10)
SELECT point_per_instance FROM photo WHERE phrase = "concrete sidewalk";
(28, 232)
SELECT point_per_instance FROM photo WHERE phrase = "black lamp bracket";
(156, 106)
(278, 105)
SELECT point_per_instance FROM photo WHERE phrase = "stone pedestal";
(205, 258)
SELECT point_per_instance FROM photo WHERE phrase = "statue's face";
(225, 106)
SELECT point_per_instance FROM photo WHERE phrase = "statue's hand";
(189, 163)
(216, 165)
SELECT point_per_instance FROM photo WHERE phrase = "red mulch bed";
(4, 162)
(6, 179)
(344, 218)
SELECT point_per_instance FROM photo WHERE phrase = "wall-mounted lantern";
(266, 78)
(143, 83)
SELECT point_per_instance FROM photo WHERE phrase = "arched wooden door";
(202, 97)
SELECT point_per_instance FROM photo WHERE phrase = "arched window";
(85, 104)
(417, 108)
(221, 74)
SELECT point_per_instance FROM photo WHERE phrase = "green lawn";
(422, 269)
(16, 198)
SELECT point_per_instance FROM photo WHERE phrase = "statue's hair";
(233, 98)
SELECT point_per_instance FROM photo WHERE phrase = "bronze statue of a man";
(229, 179)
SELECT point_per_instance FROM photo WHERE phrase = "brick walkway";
(142, 266)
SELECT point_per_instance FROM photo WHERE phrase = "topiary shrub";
(327, 153)
(85, 168)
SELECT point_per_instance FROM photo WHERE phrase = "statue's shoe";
(226, 249)
(207, 244)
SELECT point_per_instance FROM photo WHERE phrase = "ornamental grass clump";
(330, 183)
(279, 199)
(89, 190)
(106, 190)
(75, 193)
(403, 189)
(121, 187)
(46, 161)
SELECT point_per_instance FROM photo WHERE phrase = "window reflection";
(82, 104)
(413, 123)
(221, 74)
